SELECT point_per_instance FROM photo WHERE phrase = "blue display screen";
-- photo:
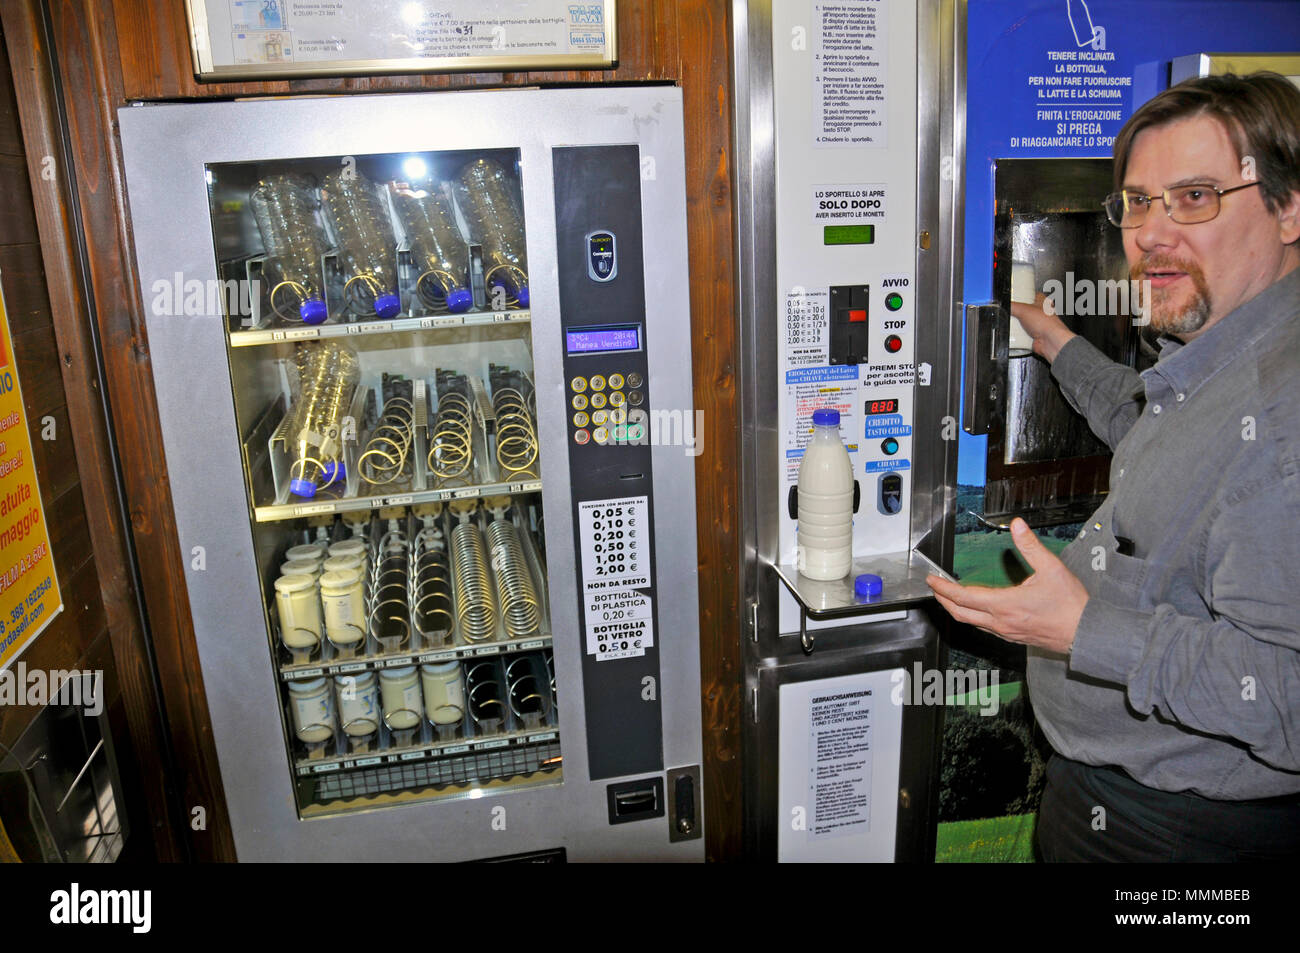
(603, 339)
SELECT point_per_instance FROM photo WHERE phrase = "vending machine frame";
(649, 807)
(865, 645)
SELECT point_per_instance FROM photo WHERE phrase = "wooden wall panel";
(102, 615)
(66, 642)
(109, 56)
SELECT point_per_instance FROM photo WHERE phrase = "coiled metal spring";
(516, 432)
(390, 609)
(451, 450)
(431, 589)
(476, 611)
(515, 593)
(483, 695)
(524, 690)
(384, 459)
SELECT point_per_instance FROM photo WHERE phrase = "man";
(1164, 644)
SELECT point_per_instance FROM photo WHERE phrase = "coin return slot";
(636, 800)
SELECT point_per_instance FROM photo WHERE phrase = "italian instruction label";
(849, 94)
(839, 764)
(834, 387)
(615, 537)
(848, 204)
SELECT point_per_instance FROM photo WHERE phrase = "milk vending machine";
(410, 353)
(843, 203)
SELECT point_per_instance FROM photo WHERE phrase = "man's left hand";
(1043, 610)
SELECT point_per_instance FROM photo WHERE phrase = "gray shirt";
(1185, 669)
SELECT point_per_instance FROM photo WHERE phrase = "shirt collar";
(1186, 367)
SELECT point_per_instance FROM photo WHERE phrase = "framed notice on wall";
(263, 39)
(29, 586)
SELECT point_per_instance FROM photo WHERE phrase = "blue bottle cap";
(867, 586)
(387, 305)
(334, 471)
(301, 487)
(826, 418)
(460, 299)
(313, 311)
(523, 296)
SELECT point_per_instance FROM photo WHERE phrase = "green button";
(620, 432)
(894, 301)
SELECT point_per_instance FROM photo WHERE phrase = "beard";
(1171, 310)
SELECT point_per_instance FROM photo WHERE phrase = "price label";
(376, 328)
(299, 334)
(399, 500)
(615, 543)
(315, 508)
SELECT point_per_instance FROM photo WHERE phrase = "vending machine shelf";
(902, 576)
(290, 511)
(292, 671)
(253, 337)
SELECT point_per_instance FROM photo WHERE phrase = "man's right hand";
(1048, 331)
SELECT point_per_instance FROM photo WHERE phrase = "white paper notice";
(849, 92)
(615, 537)
(839, 763)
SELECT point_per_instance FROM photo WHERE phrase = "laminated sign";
(29, 587)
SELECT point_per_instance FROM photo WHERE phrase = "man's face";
(1201, 272)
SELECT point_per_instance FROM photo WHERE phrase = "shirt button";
(1121, 471)
(1155, 409)
(1181, 398)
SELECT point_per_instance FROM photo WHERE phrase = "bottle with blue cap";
(365, 236)
(440, 251)
(825, 528)
(328, 374)
(285, 207)
(488, 200)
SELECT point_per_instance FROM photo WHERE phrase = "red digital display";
(889, 406)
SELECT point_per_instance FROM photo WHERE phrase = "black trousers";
(1102, 814)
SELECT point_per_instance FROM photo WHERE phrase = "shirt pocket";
(1108, 573)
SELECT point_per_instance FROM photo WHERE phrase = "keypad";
(612, 426)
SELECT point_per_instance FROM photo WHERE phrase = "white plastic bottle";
(825, 529)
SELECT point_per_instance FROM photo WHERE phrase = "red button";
(893, 343)
(857, 315)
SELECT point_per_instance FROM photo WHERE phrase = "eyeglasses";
(1186, 205)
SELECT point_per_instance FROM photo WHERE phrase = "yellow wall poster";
(29, 586)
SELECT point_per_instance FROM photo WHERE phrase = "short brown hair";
(1261, 113)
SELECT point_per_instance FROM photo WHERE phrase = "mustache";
(1165, 263)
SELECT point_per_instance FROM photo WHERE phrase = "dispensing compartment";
(1051, 237)
(380, 349)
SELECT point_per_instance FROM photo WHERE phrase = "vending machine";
(905, 171)
(418, 359)
(842, 245)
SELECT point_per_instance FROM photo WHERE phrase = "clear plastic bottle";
(435, 239)
(488, 199)
(825, 528)
(365, 236)
(328, 374)
(285, 209)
